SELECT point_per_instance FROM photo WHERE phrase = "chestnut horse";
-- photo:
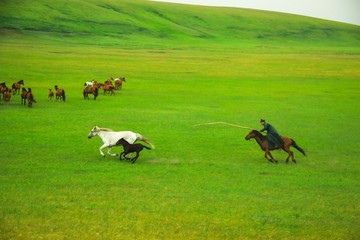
(27, 95)
(264, 145)
(60, 93)
(3, 88)
(16, 86)
(90, 90)
(109, 88)
(7, 94)
(51, 95)
(118, 82)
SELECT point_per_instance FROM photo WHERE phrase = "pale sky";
(347, 11)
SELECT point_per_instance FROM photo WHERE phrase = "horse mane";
(258, 133)
(106, 129)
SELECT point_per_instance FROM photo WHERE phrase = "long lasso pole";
(225, 123)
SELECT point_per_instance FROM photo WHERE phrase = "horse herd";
(109, 86)
(126, 138)
(26, 95)
(92, 87)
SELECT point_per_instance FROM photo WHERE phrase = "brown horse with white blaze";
(264, 145)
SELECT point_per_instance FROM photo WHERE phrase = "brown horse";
(51, 95)
(118, 83)
(109, 88)
(109, 81)
(3, 88)
(16, 86)
(91, 90)
(7, 94)
(27, 96)
(60, 94)
(264, 145)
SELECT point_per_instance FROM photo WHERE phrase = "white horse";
(89, 84)
(110, 138)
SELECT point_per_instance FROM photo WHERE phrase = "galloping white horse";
(110, 138)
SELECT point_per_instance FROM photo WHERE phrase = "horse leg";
(111, 154)
(272, 158)
(100, 149)
(269, 159)
(125, 156)
(292, 157)
(287, 159)
(135, 158)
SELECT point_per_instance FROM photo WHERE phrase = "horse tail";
(146, 147)
(293, 143)
(63, 95)
(144, 139)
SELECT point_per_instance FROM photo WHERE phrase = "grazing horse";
(27, 95)
(110, 138)
(60, 94)
(130, 148)
(91, 90)
(118, 83)
(16, 86)
(264, 145)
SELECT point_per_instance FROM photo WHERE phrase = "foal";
(51, 95)
(129, 148)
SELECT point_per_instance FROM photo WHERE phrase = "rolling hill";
(158, 25)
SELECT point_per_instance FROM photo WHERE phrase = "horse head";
(252, 134)
(93, 132)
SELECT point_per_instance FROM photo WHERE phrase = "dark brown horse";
(27, 96)
(16, 86)
(90, 90)
(130, 148)
(264, 145)
(60, 93)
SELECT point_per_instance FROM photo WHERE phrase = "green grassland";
(184, 65)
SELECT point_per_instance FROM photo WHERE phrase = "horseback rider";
(274, 139)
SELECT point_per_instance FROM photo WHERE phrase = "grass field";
(202, 182)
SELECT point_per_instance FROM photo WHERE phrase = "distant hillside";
(129, 22)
